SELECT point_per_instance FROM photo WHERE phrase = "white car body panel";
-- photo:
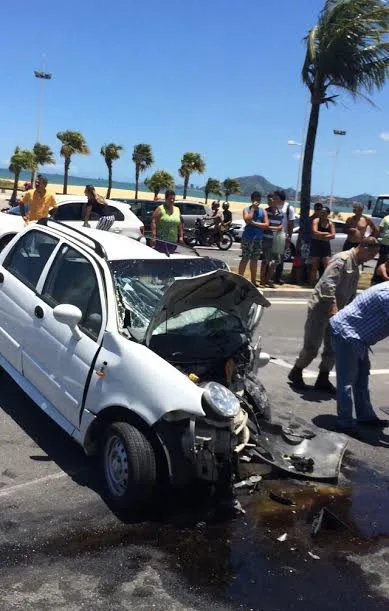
(131, 226)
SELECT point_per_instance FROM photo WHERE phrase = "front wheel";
(129, 466)
(225, 241)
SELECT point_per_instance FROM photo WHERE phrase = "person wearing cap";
(336, 288)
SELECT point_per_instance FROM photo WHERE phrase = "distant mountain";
(248, 184)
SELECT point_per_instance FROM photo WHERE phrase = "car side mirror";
(69, 315)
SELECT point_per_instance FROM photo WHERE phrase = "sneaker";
(296, 377)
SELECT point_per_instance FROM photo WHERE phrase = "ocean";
(57, 179)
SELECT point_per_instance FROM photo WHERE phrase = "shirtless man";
(356, 227)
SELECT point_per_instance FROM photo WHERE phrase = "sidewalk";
(294, 291)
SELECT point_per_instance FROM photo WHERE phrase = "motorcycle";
(209, 235)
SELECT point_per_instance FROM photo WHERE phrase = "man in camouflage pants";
(336, 288)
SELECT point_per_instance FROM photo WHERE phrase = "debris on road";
(282, 538)
(281, 498)
(314, 556)
(250, 481)
(326, 519)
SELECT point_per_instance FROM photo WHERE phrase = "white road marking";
(289, 301)
(313, 374)
(33, 482)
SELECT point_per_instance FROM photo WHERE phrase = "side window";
(72, 280)
(193, 209)
(119, 216)
(136, 208)
(339, 227)
(69, 212)
(149, 208)
(29, 256)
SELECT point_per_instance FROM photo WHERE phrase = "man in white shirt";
(288, 226)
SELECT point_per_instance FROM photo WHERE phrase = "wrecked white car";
(150, 360)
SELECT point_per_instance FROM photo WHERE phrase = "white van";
(380, 208)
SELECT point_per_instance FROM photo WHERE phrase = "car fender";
(129, 375)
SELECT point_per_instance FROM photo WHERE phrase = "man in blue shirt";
(361, 324)
(256, 222)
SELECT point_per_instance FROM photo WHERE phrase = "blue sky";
(214, 76)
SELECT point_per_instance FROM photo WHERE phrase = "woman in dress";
(166, 225)
(323, 231)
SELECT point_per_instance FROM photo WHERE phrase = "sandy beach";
(235, 207)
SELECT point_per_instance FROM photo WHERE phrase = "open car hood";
(222, 289)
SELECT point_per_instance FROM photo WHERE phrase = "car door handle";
(39, 313)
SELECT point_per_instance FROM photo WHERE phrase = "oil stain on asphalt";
(266, 559)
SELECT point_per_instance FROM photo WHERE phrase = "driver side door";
(55, 360)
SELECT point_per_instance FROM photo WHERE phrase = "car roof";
(117, 247)
(77, 199)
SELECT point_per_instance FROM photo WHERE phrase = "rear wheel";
(225, 241)
(129, 466)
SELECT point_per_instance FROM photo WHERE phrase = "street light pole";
(337, 132)
(294, 143)
(43, 77)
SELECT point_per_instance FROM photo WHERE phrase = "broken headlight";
(220, 400)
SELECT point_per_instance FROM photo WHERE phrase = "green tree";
(110, 152)
(21, 159)
(43, 155)
(212, 186)
(143, 158)
(190, 163)
(73, 143)
(159, 181)
(346, 50)
(230, 187)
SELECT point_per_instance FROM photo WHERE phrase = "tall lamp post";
(43, 77)
(337, 132)
(294, 143)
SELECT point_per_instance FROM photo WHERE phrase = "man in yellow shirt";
(39, 201)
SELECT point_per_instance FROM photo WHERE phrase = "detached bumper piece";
(301, 449)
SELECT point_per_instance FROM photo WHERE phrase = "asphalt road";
(62, 548)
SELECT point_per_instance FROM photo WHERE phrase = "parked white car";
(70, 212)
(150, 360)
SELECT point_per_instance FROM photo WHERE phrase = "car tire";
(225, 241)
(6, 240)
(129, 466)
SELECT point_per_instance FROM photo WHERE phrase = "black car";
(144, 208)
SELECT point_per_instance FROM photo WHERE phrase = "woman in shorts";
(323, 231)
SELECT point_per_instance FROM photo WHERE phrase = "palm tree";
(143, 158)
(190, 162)
(110, 152)
(212, 186)
(347, 50)
(43, 156)
(158, 181)
(230, 187)
(21, 159)
(73, 143)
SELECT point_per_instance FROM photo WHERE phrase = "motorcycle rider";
(227, 215)
(213, 221)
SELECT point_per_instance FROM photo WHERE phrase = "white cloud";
(364, 152)
(384, 136)
(297, 155)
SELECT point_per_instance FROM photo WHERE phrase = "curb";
(291, 293)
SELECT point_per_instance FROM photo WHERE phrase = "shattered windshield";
(140, 285)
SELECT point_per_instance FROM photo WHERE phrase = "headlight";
(221, 400)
